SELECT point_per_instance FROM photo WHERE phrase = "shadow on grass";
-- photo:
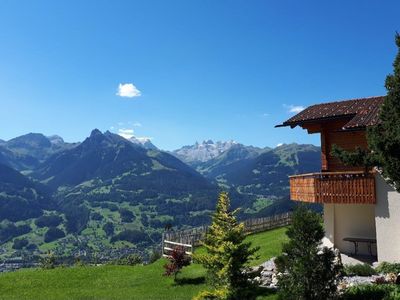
(195, 281)
(262, 292)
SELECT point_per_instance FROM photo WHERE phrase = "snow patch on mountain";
(201, 152)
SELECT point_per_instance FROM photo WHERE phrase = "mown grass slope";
(123, 282)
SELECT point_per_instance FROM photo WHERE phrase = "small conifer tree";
(384, 138)
(306, 270)
(227, 255)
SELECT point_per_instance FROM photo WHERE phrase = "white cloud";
(294, 108)
(266, 115)
(125, 133)
(112, 128)
(128, 133)
(137, 124)
(280, 144)
(128, 90)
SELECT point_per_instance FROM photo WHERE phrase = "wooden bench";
(357, 240)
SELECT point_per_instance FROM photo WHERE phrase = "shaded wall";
(387, 218)
(349, 220)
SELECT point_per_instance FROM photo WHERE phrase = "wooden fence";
(195, 235)
(169, 246)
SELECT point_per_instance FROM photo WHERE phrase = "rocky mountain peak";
(56, 139)
(201, 152)
(95, 132)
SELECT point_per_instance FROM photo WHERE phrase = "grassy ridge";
(122, 282)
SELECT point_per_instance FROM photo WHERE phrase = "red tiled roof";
(361, 113)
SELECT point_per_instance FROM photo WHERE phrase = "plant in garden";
(177, 260)
(306, 270)
(386, 267)
(227, 255)
(359, 270)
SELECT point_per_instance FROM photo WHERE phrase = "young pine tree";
(384, 138)
(307, 271)
(227, 255)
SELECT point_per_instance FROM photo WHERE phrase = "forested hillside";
(111, 195)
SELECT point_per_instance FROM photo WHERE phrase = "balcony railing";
(334, 187)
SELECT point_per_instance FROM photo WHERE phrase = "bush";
(108, 228)
(307, 272)
(31, 247)
(386, 267)
(52, 234)
(77, 218)
(126, 215)
(48, 261)
(48, 221)
(96, 216)
(110, 206)
(359, 270)
(20, 243)
(371, 292)
(177, 260)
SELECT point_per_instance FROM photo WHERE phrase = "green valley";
(124, 282)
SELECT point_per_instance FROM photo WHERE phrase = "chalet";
(361, 211)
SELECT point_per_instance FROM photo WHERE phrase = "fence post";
(162, 243)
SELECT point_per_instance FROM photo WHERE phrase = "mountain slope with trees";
(20, 198)
(110, 193)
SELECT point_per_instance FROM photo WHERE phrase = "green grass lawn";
(122, 282)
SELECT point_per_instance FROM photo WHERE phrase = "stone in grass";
(269, 265)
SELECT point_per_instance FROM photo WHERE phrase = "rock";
(257, 280)
(267, 273)
(269, 265)
(254, 271)
(266, 282)
(274, 280)
(398, 279)
(268, 278)
(375, 264)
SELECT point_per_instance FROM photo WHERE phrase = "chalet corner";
(361, 211)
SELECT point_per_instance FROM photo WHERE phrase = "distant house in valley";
(361, 211)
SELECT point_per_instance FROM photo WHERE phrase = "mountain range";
(109, 192)
(202, 152)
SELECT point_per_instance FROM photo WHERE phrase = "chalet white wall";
(354, 220)
(387, 218)
(349, 220)
(329, 225)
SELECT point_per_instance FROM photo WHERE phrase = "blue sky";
(203, 69)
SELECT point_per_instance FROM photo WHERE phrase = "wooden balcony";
(334, 187)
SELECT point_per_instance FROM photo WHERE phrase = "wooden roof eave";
(315, 125)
